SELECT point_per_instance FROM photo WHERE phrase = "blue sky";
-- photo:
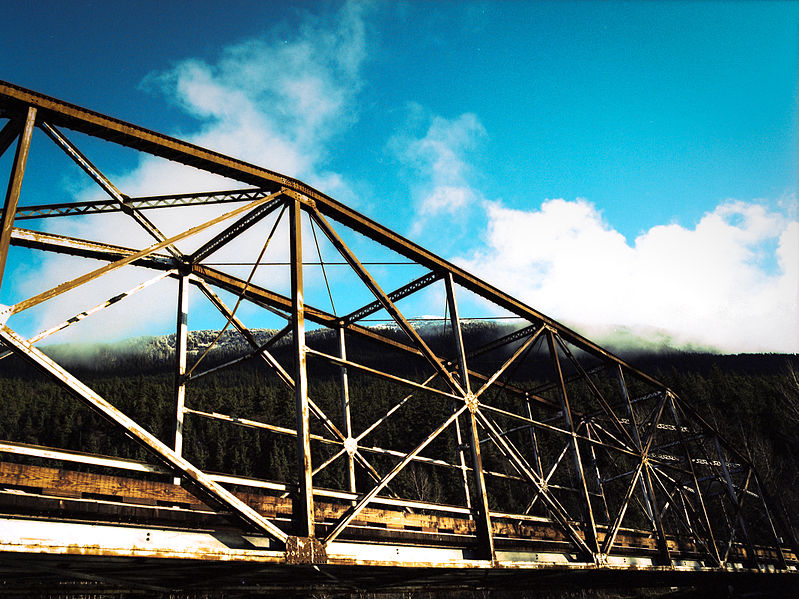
(618, 165)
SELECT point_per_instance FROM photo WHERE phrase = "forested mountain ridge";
(157, 352)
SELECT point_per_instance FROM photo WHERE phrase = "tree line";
(753, 400)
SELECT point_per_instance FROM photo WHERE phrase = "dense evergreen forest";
(752, 399)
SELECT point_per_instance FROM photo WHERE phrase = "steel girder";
(639, 456)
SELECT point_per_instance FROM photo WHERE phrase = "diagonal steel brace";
(135, 431)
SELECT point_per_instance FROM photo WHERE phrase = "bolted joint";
(471, 402)
(301, 198)
(185, 267)
(305, 550)
(350, 445)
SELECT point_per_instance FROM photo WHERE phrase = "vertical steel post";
(181, 341)
(462, 462)
(699, 496)
(628, 406)
(455, 322)
(736, 500)
(480, 508)
(15, 185)
(533, 437)
(345, 412)
(456, 332)
(595, 465)
(304, 509)
(772, 529)
(589, 525)
(662, 541)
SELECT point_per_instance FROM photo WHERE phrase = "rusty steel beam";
(109, 302)
(84, 163)
(133, 430)
(386, 302)
(80, 457)
(346, 416)
(398, 294)
(76, 282)
(15, 185)
(234, 230)
(249, 423)
(482, 515)
(522, 333)
(589, 523)
(137, 203)
(181, 342)
(73, 246)
(303, 510)
(519, 351)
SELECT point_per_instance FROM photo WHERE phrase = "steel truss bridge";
(594, 473)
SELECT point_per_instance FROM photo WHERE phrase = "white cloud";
(277, 101)
(706, 285)
(440, 162)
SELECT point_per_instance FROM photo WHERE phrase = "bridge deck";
(67, 523)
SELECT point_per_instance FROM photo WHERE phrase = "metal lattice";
(595, 456)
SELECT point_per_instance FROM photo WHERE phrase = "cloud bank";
(710, 285)
(730, 283)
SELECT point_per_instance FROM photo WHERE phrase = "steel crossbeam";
(138, 203)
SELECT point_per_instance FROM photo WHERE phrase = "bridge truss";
(556, 455)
